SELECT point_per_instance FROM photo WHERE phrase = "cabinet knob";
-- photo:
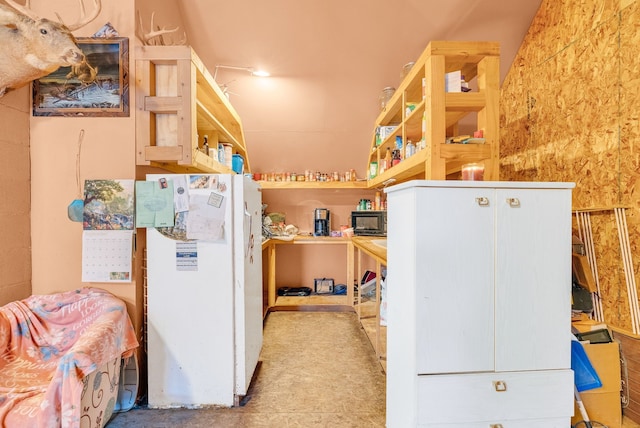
(500, 385)
(495, 426)
(513, 202)
(482, 201)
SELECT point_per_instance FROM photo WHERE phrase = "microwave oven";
(369, 223)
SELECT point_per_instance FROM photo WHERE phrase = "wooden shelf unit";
(178, 102)
(441, 113)
(296, 302)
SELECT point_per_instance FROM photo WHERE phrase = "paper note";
(180, 194)
(187, 256)
(453, 82)
(206, 216)
(154, 203)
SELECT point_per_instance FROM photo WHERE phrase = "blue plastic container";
(585, 376)
(237, 164)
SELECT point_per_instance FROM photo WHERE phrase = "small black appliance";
(369, 223)
(321, 222)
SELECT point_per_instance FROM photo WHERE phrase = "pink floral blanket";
(48, 344)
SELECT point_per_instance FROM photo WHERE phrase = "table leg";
(271, 282)
(350, 273)
(378, 295)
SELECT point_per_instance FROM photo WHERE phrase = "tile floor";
(317, 369)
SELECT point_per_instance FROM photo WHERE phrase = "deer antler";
(183, 40)
(146, 37)
(25, 10)
(84, 20)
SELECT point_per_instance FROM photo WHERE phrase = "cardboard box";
(582, 272)
(603, 404)
(584, 324)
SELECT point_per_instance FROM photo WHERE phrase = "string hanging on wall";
(76, 207)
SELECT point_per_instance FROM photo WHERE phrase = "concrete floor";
(317, 369)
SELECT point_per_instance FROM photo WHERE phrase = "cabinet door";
(454, 277)
(533, 279)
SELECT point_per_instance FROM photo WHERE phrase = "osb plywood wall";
(569, 112)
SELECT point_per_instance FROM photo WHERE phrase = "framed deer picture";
(98, 86)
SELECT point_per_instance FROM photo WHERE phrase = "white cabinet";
(479, 280)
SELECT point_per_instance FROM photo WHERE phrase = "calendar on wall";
(106, 255)
(108, 223)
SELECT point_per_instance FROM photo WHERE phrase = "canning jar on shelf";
(385, 96)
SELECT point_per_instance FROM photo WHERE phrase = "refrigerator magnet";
(215, 199)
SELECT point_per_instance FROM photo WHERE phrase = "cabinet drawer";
(495, 397)
(532, 423)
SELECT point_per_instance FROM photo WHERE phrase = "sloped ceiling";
(329, 60)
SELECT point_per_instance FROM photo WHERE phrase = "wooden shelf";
(308, 239)
(413, 167)
(437, 114)
(201, 164)
(178, 104)
(314, 299)
(313, 184)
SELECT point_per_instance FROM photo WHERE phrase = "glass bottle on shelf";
(387, 158)
(205, 145)
(410, 149)
(396, 157)
(385, 96)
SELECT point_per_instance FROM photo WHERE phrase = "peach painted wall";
(107, 152)
(298, 265)
(15, 251)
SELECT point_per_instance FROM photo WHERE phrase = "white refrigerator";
(204, 297)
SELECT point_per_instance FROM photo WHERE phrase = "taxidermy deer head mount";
(32, 47)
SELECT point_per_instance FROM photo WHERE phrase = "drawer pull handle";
(500, 385)
(495, 426)
(513, 202)
(483, 202)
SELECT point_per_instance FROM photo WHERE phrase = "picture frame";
(97, 88)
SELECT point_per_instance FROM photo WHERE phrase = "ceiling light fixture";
(253, 71)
